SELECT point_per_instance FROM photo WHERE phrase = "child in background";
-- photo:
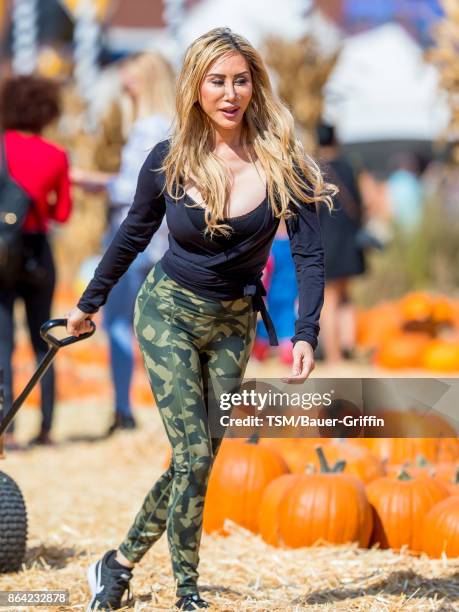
(281, 298)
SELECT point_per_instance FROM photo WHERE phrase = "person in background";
(405, 191)
(344, 258)
(28, 104)
(282, 294)
(147, 106)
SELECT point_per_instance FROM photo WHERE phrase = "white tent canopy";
(382, 89)
(253, 19)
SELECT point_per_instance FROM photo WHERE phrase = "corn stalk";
(446, 57)
(302, 72)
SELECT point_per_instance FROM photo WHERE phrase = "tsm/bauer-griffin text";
(300, 420)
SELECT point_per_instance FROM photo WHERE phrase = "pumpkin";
(441, 355)
(400, 450)
(403, 350)
(448, 474)
(442, 311)
(415, 424)
(90, 354)
(377, 324)
(19, 383)
(449, 449)
(420, 467)
(441, 529)
(325, 507)
(399, 506)
(241, 471)
(416, 306)
(268, 519)
(65, 297)
(142, 394)
(293, 450)
(358, 460)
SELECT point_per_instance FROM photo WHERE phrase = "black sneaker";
(108, 585)
(191, 602)
(122, 422)
(128, 422)
(42, 439)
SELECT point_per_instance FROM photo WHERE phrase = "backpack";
(15, 203)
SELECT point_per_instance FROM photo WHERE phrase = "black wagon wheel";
(13, 513)
(13, 525)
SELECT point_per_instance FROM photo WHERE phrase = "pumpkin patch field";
(418, 331)
(289, 524)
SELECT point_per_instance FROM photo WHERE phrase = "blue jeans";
(282, 292)
(118, 316)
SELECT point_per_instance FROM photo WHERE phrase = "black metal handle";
(59, 343)
(54, 345)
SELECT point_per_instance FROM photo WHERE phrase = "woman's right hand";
(78, 322)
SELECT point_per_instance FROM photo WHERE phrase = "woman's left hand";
(303, 362)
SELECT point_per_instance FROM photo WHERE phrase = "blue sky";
(416, 15)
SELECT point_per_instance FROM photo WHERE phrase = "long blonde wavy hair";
(268, 135)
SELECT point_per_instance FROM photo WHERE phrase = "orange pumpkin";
(448, 474)
(441, 529)
(448, 450)
(400, 450)
(441, 355)
(377, 324)
(420, 467)
(442, 310)
(455, 307)
(142, 394)
(325, 507)
(446, 470)
(416, 306)
(92, 354)
(415, 424)
(403, 350)
(268, 520)
(294, 450)
(399, 506)
(64, 297)
(359, 460)
(237, 481)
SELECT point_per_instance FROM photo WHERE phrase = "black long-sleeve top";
(219, 268)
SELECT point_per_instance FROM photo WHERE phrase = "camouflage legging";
(188, 343)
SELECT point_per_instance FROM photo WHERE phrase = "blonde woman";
(230, 171)
(147, 105)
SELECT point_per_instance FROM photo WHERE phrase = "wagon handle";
(59, 343)
(54, 345)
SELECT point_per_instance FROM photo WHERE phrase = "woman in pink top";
(27, 105)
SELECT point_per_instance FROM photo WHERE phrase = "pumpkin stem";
(339, 466)
(421, 461)
(402, 475)
(456, 477)
(324, 467)
(254, 438)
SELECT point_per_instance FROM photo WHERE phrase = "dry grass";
(82, 496)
